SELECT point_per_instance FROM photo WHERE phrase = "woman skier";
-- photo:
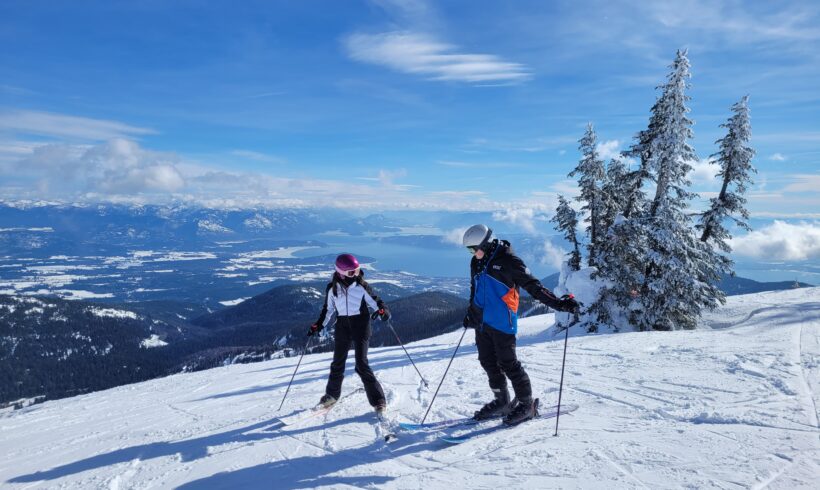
(496, 275)
(348, 296)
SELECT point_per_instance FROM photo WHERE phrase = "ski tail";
(457, 437)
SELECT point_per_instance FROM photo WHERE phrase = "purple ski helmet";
(347, 265)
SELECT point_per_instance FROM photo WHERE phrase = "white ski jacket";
(349, 301)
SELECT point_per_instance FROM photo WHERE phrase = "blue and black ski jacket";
(494, 288)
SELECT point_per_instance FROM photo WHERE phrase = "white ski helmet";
(477, 236)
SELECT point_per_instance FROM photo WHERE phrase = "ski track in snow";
(732, 405)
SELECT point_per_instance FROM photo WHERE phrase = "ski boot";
(495, 408)
(523, 411)
(326, 401)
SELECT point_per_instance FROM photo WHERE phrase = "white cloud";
(386, 177)
(71, 127)
(703, 171)
(778, 157)
(608, 150)
(124, 172)
(553, 255)
(423, 54)
(526, 218)
(568, 188)
(781, 241)
(454, 236)
(118, 166)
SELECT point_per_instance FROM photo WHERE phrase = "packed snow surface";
(731, 405)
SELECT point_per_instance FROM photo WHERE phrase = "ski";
(313, 412)
(546, 413)
(443, 424)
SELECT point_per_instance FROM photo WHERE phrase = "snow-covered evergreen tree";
(612, 194)
(566, 220)
(590, 172)
(735, 160)
(620, 269)
(633, 195)
(681, 272)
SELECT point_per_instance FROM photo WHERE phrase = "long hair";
(338, 279)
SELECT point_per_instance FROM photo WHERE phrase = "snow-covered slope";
(732, 405)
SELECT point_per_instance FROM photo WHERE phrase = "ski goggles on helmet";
(473, 249)
(350, 273)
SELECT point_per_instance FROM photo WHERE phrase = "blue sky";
(388, 103)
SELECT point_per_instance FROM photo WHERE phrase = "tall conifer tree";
(566, 220)
(735, 160)
(590, 172)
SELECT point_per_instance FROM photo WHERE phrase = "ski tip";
(451, 440)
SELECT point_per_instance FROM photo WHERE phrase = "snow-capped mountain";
(733, 403)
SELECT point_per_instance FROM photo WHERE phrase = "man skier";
(496, 275)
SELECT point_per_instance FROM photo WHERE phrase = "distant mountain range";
(75, 229)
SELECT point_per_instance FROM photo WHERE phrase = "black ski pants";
(496, 353)
(357, 333)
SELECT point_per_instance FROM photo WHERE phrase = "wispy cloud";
(462, 164)
(70, 127)
(387, 179)
(423, 54)
(534, 145)
(737, 22)
(790, 137)
(804, 183)
(778, 157)
(257, 156)
(458, 194)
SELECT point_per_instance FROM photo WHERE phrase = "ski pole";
(444, 376)
(390, 324)
(563, 362)
(294, 372)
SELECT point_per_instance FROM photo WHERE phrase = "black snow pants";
(357, 333)
(496, 353)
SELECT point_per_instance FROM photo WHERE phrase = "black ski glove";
(467, 322)
(383, 313)
(567, 303)
(314, 329)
